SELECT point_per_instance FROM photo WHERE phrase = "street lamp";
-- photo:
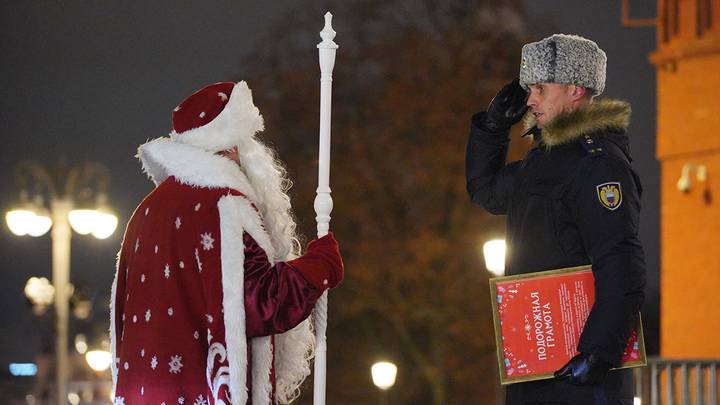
(494, 253)
(81, 343)
(58, 194)
(99, 222)
(98, 360)
(383, 376)
(40, 293)
(28, 218)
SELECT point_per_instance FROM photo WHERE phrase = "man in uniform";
(210, 300)
(573, 200)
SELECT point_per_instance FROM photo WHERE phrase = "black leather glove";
(584, 369)
(507, 107)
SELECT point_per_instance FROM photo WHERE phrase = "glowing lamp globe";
(494, 253)
(40, 225)
(383, 374)
(100, 223)
(83, 221)
(98, 360)
(39, 291)
(105, 224)
(25, 222)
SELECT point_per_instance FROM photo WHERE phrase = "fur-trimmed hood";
(601, 115)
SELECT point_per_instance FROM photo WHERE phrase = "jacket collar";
(192, 165)
(600, 115)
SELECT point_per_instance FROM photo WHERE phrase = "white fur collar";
(191, 165)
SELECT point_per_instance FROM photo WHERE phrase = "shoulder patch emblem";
(610, 195)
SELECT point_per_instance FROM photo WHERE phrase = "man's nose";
(531, 101)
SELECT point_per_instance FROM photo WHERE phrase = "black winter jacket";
(573, 200)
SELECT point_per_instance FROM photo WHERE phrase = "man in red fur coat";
(210, 301)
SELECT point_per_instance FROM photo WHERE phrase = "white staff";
(323, 201)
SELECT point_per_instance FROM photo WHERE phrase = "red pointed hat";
(217, 117)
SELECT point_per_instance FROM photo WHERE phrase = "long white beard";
(267, 176)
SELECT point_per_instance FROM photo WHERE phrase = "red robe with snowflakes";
(198, 295)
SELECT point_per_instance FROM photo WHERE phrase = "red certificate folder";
(538, 321)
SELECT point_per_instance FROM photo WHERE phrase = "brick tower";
(688, 148)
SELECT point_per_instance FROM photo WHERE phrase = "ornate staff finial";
(328, 34)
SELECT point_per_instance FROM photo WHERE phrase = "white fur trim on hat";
(239, 120)
(561, 58)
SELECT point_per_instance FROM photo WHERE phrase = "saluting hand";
(507, 107)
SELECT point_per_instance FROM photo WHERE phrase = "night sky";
(92, 80)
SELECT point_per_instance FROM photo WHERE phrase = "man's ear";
(578, 92)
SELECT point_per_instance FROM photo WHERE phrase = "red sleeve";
(277, 297)
(321, 264)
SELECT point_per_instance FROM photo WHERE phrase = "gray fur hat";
(568, 59)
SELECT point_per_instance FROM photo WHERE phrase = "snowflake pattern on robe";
(171, 311)
(167, 271)
(178, 222)
(153, 363)
(175, 364)
(119, 401)
(147, 316)
(200, 401)
(207, 241)
(197, 259)
(181, 400)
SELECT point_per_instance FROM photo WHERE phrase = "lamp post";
(76, 198)
(383, 376)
